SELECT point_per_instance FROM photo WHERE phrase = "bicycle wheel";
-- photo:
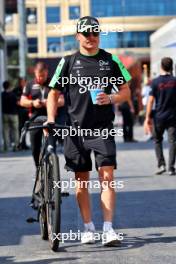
(42, 207)
(43, 224)
(53, 204)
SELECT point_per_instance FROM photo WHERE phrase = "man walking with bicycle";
(96, 113)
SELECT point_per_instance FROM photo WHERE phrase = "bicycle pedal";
(65, 194)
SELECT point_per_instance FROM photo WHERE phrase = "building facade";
(2, 43)
(51, 24)
(2, 61)
(163, 44)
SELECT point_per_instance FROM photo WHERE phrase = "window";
(135, 39)
(104, 8)
(32, 45)
(74, 12)
(53, 44)
(59, 44)
(53, 14)
(125, 39)
(70, 43)
(31, 15)
(109, 41)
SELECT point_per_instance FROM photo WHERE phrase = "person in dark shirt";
(163, 93)
(10, 117)
(91, 63)
(127, 110)
(34, 96)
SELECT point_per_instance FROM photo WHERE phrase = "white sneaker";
(110, 238)
(160, 170)
(87, 237)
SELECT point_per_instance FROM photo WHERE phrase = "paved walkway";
(145, 213)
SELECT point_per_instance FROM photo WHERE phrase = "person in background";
(34, 96)
(127, 110)
(163, 94)
(22, 111)
(10, 117)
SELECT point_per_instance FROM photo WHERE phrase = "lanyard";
(42, 90)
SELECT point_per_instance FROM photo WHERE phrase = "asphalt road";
(145, 213)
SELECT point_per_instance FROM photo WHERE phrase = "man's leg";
(6, 131)
(22, 118)
(78, 160)
(125, 125)
(130, 125)
(158, 139)
(107, 192)
(109, 236)
(172, 147)
(82, 195)
(36, 140)
(15, 129)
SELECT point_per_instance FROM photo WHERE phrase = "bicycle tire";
(42, 208)
(53, 205)
(43, 224)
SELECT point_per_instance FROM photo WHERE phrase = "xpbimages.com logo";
(87, 132)
(87, 83)
(91, 184)
(105, 29)
(76, 236)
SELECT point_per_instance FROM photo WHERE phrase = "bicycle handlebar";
(49, 126)
(38, 124)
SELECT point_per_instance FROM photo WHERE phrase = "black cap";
(88, 24)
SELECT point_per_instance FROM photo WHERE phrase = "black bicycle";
(46, 196)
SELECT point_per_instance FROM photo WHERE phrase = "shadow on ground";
(10, 260)
(138, 209)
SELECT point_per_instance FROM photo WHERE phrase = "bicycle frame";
(45, 199)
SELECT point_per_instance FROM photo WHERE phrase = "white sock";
(107, 226)
(89, 226)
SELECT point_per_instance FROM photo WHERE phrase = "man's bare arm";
(149, 106)
(52, 104)
(122, 96)
(25, 102)
(148, 124)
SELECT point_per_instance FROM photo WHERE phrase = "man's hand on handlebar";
(45, 130)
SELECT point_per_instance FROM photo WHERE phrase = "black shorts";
(77, 153)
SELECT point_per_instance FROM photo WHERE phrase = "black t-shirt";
(18, 92)
(34, 91)
(80, 106)
(164, 91)
(9, 103)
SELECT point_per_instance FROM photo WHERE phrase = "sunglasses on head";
(87, 34)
